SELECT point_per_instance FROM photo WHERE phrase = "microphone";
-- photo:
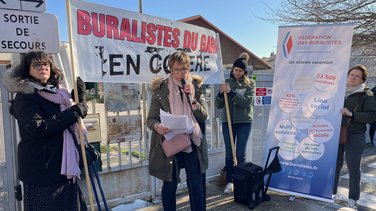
(189, 97)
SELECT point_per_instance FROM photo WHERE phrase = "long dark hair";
(22, 71)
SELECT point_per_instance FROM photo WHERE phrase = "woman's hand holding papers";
(160, 129)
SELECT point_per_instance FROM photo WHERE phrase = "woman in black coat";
(47, 156)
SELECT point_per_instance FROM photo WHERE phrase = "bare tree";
(360, 12)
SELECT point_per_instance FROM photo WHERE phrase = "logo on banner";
(287, 44)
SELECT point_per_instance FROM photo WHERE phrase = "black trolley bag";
(249, 188)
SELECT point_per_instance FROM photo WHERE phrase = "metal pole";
(10, 147)
(140, 6)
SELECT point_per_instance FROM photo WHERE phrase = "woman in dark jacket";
(47, 156)
(360, 108)
(240, 90)
(171, 95)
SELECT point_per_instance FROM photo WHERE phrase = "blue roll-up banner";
(308, 92)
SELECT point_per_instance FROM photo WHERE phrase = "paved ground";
(217, 200)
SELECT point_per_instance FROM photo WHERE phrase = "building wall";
(230, 49)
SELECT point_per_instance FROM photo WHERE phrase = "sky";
(239, 19)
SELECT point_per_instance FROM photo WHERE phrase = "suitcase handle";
(270, 151)
(274, 148)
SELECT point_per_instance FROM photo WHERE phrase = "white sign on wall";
(29, 5)
(27, 31)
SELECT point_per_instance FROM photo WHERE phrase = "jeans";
(197, 197)
(353, 151)
(241, 133)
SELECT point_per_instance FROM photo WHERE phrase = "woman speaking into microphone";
(178, 95)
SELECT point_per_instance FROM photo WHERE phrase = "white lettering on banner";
(113, 45)
(28, 31)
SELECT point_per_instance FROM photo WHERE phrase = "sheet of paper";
(176, 123)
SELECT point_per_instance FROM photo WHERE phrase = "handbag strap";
(74, 139)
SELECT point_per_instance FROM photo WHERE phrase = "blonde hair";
(178, 56)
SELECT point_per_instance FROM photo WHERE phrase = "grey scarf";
(350, 90)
